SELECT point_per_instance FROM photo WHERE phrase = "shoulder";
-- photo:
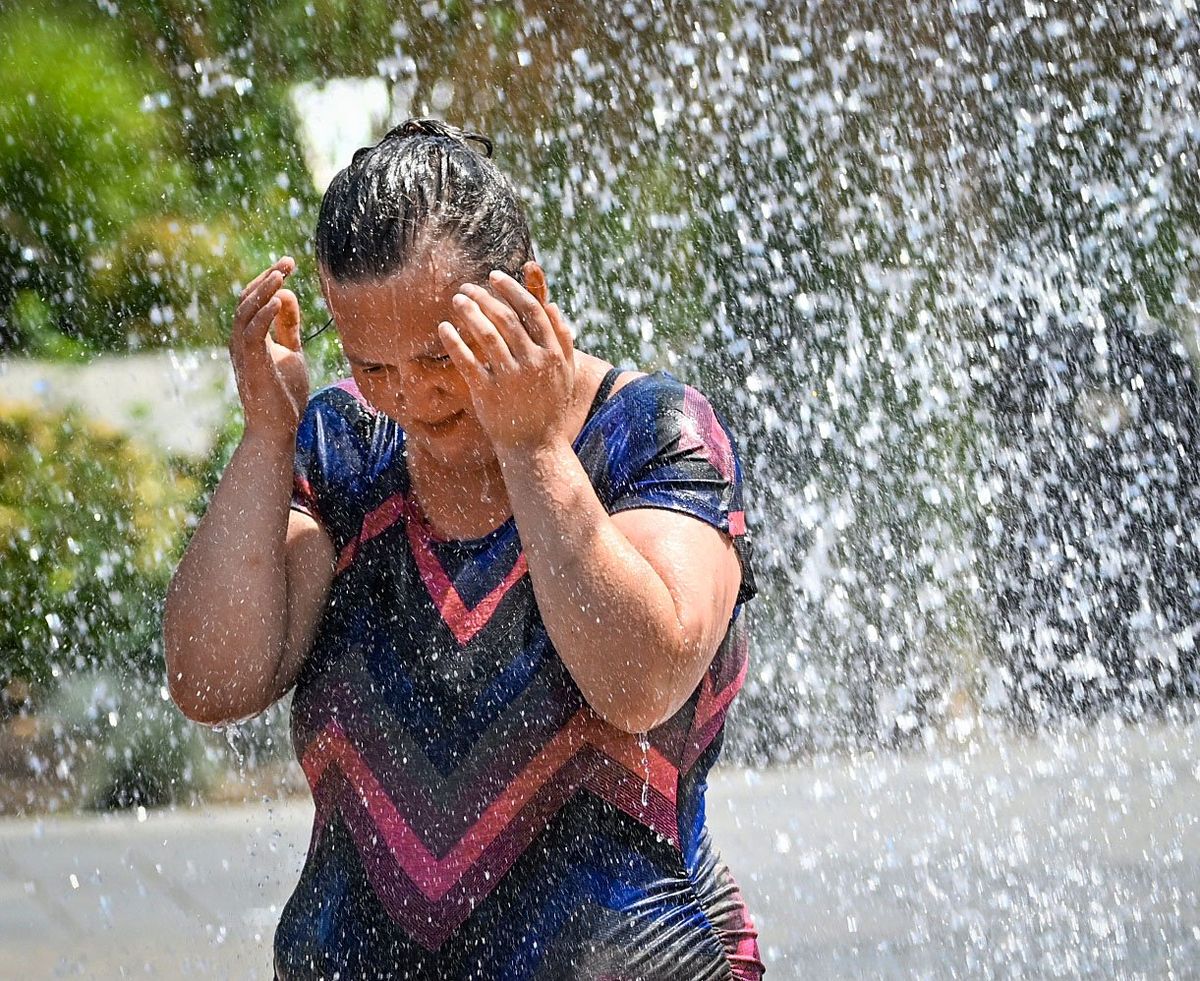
(335, 414)
(661, 391)
(661, 405)
(334, 433)
(343, 465)
(341, 399)
(657, 417)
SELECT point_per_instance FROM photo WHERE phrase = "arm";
(636, 603)
(244, 603)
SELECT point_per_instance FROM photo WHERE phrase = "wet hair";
(424, 183)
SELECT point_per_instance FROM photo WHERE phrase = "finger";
(285, 265)
(534, 278)
(460, 354)
(287, 323)
(485, 340)
(562, 331)
(246, 313)
(505, 319)
(257, 297)
(525, 305)
(254, 335)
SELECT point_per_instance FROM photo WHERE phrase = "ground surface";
(1073, 855)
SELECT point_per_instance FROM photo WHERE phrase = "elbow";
(636, 709)
(202, 704)
(204, 700)
(199, 712)
(644, 699)
(633, 721)
(195, 700)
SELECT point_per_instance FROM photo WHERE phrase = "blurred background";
(936, 262)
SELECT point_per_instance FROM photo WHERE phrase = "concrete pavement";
(1069, 855)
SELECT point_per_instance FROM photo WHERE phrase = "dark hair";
(423, 183)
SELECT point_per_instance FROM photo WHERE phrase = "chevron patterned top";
(474, 817)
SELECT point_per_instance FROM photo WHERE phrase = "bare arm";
(244, 604)
(635, 603)
(245, 601)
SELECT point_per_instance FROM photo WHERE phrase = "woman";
(506, 581)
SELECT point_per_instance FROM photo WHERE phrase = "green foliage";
(143, 181)
(34, 322)
(82, 158)
(89, 526)
(164, 280)
(83, 155)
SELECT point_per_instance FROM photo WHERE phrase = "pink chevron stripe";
(436, 876)
(613, 783)
(710, 713)
(375, 523)
(737, 523)
(711, 703)
(430, 923)
(463, 622)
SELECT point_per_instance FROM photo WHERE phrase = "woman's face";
(388, 330)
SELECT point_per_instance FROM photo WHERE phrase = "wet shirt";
(475, 818)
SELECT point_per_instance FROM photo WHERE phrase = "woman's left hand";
(515, 351)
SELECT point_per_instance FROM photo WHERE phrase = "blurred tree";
(89, 527)
(140, 189)
(82, 157)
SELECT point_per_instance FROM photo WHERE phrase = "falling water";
(936, 263)
(644, 746)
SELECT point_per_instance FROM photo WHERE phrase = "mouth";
(443, 425)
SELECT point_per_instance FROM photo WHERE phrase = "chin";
(464, 450)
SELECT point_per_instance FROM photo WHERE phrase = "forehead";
(400, 312)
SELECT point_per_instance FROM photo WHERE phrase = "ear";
(535, 282)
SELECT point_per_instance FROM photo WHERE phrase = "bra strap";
(602, 393)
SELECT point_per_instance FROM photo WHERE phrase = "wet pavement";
(1069, 855)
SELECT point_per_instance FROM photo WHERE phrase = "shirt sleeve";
(324, 465)
(305, 469)
(679, 455)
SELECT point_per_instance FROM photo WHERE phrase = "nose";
(450, 384)
(439, 392)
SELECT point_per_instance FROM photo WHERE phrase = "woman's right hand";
(272, 378)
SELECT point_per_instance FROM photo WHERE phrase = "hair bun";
(424, 126)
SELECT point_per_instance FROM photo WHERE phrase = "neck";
(460, 502)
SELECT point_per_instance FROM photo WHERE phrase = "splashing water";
(936, 263)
